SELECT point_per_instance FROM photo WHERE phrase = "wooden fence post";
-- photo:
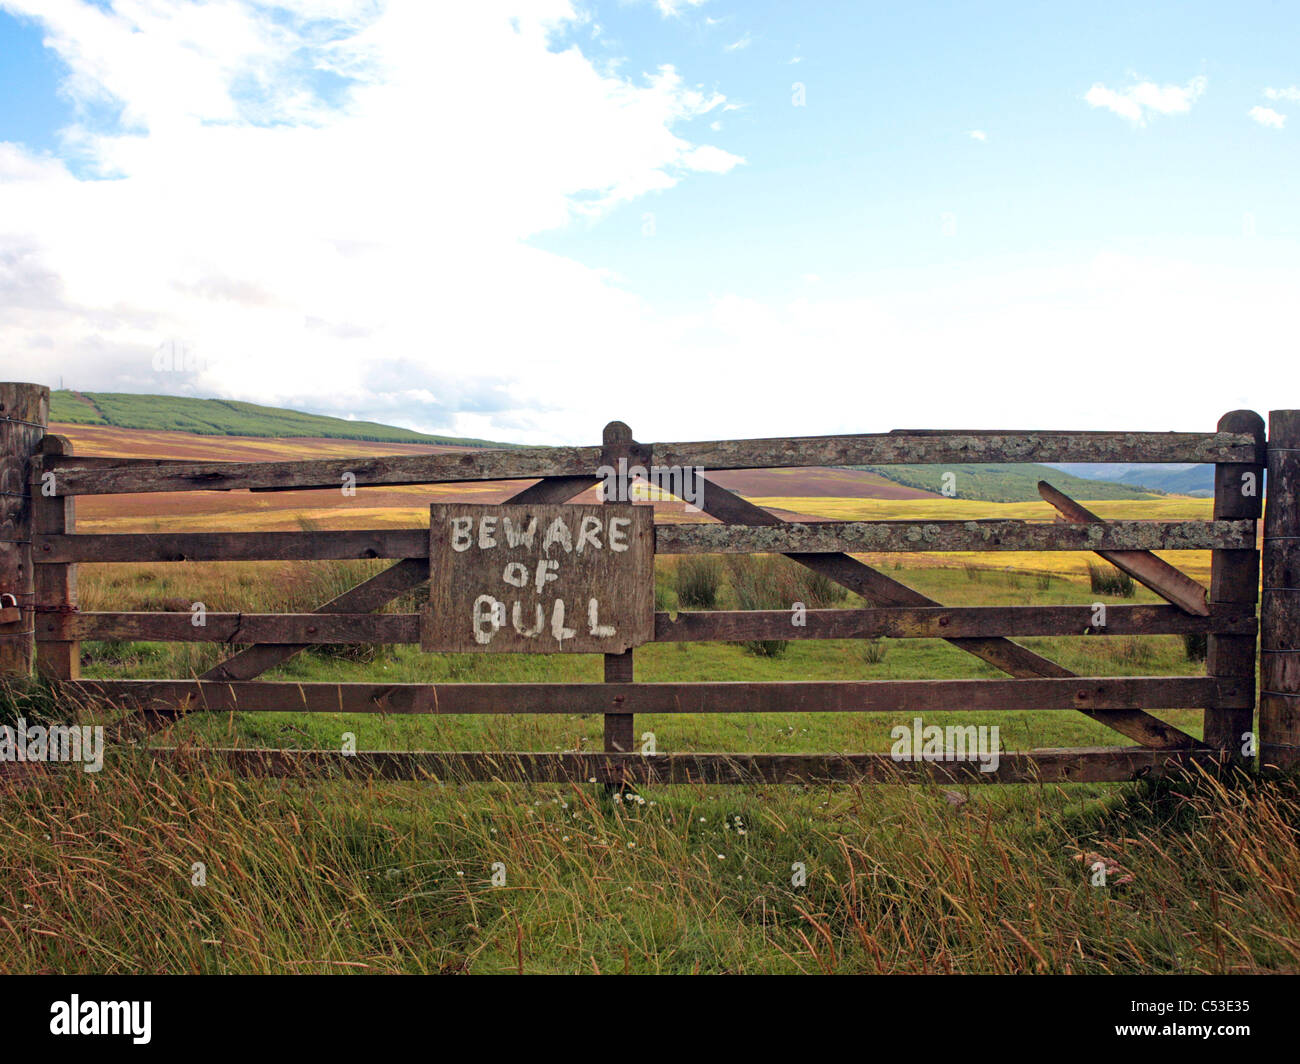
(1279, 676)
(56, 585)
(1234, 580)
(620, 735)
(24, 412)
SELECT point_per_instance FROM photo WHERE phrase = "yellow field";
(1195, 564)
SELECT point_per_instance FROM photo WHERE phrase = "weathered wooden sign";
(539, 579)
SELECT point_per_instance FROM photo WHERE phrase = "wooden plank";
(1279, 632)
(332, 544)
(1234, 582)
(793, 537)
(944, 622)
(854, 696)
(620, 668)
(898, 448)
(881, 590)
(824, 537)
(539, 579)
(1144, 567)
(867, 449)
(241, 629)
(24, 410)
(1084, 765)
(106, 461)
(56, 585)
(512, 464)
(937, 622)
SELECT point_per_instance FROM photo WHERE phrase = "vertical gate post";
(1234, 581)
(56, 585)
(24, 413)
(619, 727)
(1279, 674)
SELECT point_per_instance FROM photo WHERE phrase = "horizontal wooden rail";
(945, 622)
(323, 545)
(1082, 765)
(871, 696)
(791, 537)
(823, 537)
(941, 622)
(525, 462)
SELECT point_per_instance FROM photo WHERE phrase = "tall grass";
(142, 868)
(698, 579)
(1107, 580)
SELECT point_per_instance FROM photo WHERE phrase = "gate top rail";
(891, 448)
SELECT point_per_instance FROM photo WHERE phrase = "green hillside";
(1005, 483)
(224, 417)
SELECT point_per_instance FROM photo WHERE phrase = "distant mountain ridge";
(1172, 479)
(227, 417)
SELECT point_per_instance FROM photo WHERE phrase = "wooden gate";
(41, 549)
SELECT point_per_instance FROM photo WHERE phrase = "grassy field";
(96, 871)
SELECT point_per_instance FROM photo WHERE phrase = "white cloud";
(978, 134)
(1140, 101)
(1266, 116)
(670, 8)
(1291, 93)
(303, 246)
(744, 41)
(371, 258)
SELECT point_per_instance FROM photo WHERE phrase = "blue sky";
(524, 219)
(859, 180)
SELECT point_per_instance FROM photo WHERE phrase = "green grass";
(96, 870)
(224, 417)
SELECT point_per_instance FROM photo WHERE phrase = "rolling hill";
(227, 417)
(1006, 483)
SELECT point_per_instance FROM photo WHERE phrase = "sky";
(521, 220)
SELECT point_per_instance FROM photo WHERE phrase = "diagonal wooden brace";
(1143, 566)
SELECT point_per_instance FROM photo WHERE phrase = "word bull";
(489, 617)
